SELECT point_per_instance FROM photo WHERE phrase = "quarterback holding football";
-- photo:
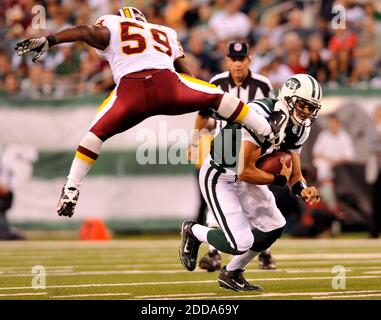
(235, 188)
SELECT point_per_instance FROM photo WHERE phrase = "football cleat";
(266, 261)
(211, 261)
(189, 246)
(234, 280)
(67, 202)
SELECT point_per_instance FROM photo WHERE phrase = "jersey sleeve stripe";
(263, 106)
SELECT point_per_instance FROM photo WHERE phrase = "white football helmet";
(132, 13)
(304, 91)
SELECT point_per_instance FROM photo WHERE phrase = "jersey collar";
(245, 83)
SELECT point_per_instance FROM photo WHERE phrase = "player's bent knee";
(91, 142)
(244, 243)
(228, 105)
(264, 240)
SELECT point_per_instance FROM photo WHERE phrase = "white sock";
(201, 232)
(240, 261)
(88, 150)
(257, 123)
(78, 171)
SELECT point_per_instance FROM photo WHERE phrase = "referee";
(247, 86)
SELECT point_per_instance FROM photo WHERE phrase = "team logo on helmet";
(293, 84)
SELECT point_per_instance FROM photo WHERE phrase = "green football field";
(140, 269)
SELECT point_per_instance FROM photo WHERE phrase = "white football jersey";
(135, 46)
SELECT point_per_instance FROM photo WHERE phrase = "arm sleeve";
(178, 51)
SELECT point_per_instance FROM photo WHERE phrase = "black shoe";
(278, 122)
(234, 280)
(266, 261)
(211, 261)
(189, 246)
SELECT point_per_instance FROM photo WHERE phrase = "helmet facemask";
(305, 120)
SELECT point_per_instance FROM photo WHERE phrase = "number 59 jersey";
(135, 46)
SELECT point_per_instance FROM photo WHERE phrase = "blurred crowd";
(286, 37)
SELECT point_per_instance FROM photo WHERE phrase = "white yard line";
(330, 244)
(322, 295)
(351, 296)
(97, 273)
(134, 265)
(182, 282)
(125, 257)
(68, 272)
(23, 294)
(174, 295)
(91, 295)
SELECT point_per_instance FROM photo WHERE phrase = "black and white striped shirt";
(255, 86)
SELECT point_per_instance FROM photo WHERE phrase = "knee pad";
(228, 105)
(245, 242)
(264, 240)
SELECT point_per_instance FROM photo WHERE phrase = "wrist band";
(280, 180)
(52, 40)
(298, 187)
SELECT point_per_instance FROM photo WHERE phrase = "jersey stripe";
(105, 101)
(263, 106)
(220, 212)
(210, 169)
(198, 81)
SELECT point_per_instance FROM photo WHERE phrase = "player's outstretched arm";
(95, 36)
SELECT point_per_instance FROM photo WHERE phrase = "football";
(271, 163)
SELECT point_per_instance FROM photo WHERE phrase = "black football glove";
(278, 122)
(38, 45)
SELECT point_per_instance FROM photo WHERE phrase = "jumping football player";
(236, 189)
(146, 61)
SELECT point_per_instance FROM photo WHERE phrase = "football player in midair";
(149, 70)
(236, 190)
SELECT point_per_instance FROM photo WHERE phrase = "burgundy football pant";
(148, 93)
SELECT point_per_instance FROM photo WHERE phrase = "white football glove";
(38, 45)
